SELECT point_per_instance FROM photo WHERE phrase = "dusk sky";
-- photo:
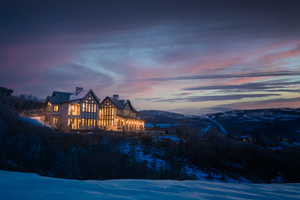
(191, 57)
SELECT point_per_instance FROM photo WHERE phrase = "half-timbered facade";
(83, 111)
(116, 114)
(73, 111)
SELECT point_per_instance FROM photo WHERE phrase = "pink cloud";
(24, 65)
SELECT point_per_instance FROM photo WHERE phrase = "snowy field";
(26, 186)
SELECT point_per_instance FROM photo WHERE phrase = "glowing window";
(74, 109)
(83, 107)
(74, 123)
(49, 107)
(107, 113)
(55, 108)
(55, 121)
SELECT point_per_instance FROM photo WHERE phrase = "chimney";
(116, 96)
(78, 90)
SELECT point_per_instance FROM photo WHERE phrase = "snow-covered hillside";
(15, 186)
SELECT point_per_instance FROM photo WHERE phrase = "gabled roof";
(120, 103)
(59, 97)
(131, 106)
(63, 97)
(83, 95)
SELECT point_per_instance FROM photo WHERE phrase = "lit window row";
(88, 122)
(74, 109)
(106, 115)
(55, 121)
(74, 123)
(77, 123)
(88, 107)
(55, 107)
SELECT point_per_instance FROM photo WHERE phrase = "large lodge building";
(84, 111)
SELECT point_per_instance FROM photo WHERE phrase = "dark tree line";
(25, 147)
(28, 148)
(217, 153)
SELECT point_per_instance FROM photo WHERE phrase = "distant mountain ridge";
(158, 116)
(268, 126)
(152, 113)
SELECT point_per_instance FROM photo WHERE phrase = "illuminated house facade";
(116, 114)
(83, 111)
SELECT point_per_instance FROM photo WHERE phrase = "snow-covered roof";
(81, 95)
(62, 97)
(59, 97)
(121, 103)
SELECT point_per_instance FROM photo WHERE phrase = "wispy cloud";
(259, 104)
(227, 76)
(278, 85)
(211, 98)
(194, 52)
(270, 103)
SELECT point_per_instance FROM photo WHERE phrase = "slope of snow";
(33, 121)
(16, 186)
(172, 138)
(155, 163)
(140, 156)
(206, 129)
(215, 177)
(219, 125)
(160, 125)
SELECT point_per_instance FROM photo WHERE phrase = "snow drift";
(15, 186)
